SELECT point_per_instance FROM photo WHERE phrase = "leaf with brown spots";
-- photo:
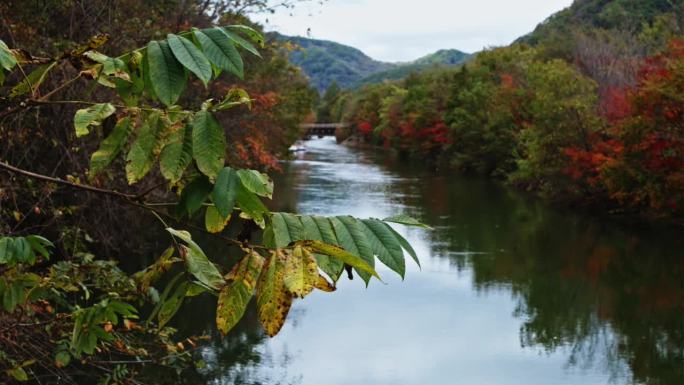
(301, 272)
(248, 269)
(273, 299)
(235, 296)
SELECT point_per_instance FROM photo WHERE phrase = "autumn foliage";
(542, 124)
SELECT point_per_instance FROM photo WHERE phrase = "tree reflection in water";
(609, 295)
(613, 296)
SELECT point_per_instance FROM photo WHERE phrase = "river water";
(511, 290)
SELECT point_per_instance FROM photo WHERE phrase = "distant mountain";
(441, 58)
(326, 61)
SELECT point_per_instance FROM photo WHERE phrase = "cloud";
(392, 30)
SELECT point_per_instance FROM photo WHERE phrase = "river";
(512, 290)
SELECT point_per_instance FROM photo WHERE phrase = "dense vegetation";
(109, 143)
(327, 62)
(589, 111)
(440, 59)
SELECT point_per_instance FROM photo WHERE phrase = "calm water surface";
(511, 291)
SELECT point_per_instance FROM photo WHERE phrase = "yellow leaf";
(322, 284)
(247, 270)
(301, 272)
(273, 299)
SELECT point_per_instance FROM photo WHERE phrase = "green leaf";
(7, 59)
(235, 97)
(40, 245)
(351, 237)
(170, 306)
(195, 289)
(241, 42)
(257, 182)
(235, 296)
(18, 374)
(301, 272)
(62, 359)
(273, 299)
(110, 147)
(343, 255)
(406, 220)
(32, 81)
(164, 296)
(195, 194)
(251, 33)
(310, 229)
(176, 156)
(232, 303)
(197, 262)
(22, 251)
(213, 221)
(326, 230)
(405, 245)
(13, 296)
(114, 72)
(166, 75)
(220, 50)
(384, 244)
(91, 117)
(225, 191)
(141, 157)
(6, 250)
(252, 207)
(208, 144)
(286, 229)
(320, 229)
(190, 57)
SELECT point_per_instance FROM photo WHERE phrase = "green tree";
(324, 113)
(561, 114)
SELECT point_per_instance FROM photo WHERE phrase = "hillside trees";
(647, 170)
(604, 129)
(562, 113)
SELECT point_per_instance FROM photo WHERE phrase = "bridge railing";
(325, 125)
(323, 129)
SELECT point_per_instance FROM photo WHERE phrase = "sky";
(400, 30)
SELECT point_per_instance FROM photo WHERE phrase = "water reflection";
(511, 291)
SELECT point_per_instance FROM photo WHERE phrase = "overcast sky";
(400, 30)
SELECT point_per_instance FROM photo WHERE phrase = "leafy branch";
(298, 253)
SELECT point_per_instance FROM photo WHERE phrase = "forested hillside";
(326, 62)
(634, 16)
(441, 58)
(586, 109)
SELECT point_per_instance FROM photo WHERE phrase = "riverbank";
(601, 209)
(542, 125)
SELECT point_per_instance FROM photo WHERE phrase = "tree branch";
(135, 200)
(63, 182)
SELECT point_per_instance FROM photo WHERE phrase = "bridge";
(323, 129)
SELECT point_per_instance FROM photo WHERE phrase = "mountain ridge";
(325, 62)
